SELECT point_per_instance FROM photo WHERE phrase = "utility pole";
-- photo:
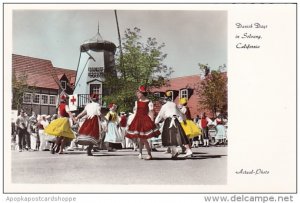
(120, 45)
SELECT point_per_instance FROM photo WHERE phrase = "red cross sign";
(73, 100)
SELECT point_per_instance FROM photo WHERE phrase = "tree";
(19, 87)
(204, 68)
(213, 92)
(139, 64)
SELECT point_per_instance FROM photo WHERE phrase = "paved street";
(208, 166)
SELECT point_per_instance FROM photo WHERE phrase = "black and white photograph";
(149, 98)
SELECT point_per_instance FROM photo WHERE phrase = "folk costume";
(61, 127)
(190, 128)
(112, 135)
(204, 122)
(90, 130)
(220, 130)
(173, 134)
(142, 125)
(134, 141)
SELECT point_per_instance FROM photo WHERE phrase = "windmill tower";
(96, 58)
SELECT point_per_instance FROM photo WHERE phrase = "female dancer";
(190, 128)
(90, 130)
(61, 127)
(112, 135)
(142, 125)
(173, 134)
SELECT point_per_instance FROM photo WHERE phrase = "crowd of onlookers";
(28, 134)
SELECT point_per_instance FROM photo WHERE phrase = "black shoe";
(89, 150)
(175, 155)
(53, 150)
(89, 153)
(215, 144)
(95, 150)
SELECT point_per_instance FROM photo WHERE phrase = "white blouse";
(168, 110)
(92, 109)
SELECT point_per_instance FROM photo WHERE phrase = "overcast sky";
(191, 37)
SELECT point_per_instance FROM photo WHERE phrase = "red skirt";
(142, 127)
(90, 127)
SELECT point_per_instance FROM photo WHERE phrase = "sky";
(191, 37)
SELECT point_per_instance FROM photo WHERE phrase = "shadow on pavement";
(205, 157)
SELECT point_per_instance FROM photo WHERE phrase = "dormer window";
(184, 93)
(172, 93)
(63, 84)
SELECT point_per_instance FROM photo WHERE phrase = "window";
(63, 84)
(27, 98)
(52, 99)
(157, 94)
(36, 99)
(44, 99)
(184, 93)
(172, 95)
(95, 88)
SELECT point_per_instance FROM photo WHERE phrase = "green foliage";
(141, 63)
(19, 87)
(213, 92)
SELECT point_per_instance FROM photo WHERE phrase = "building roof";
(96, 39)
(179, 83)
(97, 43)
(39, 71)
(70, 74)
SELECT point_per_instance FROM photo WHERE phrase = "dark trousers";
(205, 133)
(27, 139)
(24, 138)
(21, 135)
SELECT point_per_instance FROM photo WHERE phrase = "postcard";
(247, 144)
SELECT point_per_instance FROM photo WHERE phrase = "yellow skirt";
(60, 127)
(191, 129)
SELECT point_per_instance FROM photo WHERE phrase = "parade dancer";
(142, 125)
(190, 128)
(173, 134)
(61, 127)
(90, 130)
(112, 135)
